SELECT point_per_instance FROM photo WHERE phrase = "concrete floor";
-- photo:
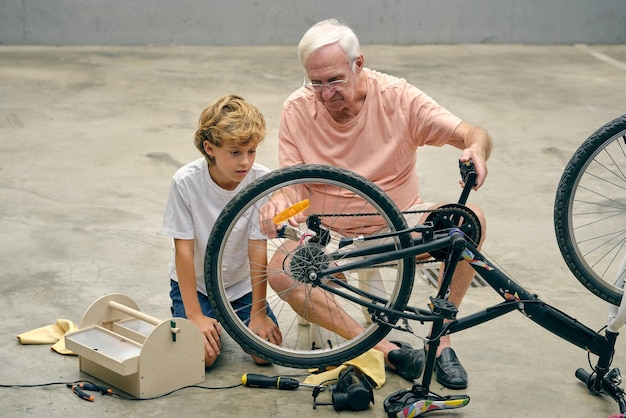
(89, 139)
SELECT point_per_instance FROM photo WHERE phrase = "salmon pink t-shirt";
(380, 143)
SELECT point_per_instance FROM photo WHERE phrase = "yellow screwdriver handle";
(291, 211)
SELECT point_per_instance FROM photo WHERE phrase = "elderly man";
(350, 116)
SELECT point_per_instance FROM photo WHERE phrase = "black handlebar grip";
(582, 375)
(468, 176)
(590, 380)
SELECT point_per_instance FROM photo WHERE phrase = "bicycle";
(345, 242)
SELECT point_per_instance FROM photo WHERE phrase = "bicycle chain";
(442, 218)
(329, 215)
(459, 210)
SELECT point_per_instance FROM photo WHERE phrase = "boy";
(229, 131)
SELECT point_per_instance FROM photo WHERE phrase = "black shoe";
(449, 370)
(407, 361)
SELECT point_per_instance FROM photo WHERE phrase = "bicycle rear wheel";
(590, 211)
(346, 204)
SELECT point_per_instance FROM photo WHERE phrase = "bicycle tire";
(296, 349)
(589, 211)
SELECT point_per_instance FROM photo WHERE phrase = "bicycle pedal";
(443, 307)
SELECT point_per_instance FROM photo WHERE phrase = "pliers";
(79, 389)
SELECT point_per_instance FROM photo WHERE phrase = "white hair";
(328, 32)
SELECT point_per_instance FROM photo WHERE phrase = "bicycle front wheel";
(589, 211)
(334, 204)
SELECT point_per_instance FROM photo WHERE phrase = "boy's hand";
(264, 327)
(211, 330)
(278, 203)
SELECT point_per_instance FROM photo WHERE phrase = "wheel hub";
(307, 261)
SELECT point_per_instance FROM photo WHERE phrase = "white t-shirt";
(193, 205)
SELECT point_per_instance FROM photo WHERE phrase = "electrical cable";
(114, 394)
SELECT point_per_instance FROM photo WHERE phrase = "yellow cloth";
(371, 363)
(50, 334)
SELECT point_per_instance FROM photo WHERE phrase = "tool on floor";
(96, 388)
(137, 353)
(81, 394)
(353, 391)
(80, 388)
(260, 381)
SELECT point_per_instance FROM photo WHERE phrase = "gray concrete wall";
(279, 22)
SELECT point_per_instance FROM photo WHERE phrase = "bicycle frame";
(545, 315)
(442, 314)
(303, 253)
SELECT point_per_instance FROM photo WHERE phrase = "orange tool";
(291, 211)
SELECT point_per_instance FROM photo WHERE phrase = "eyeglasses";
(330, 85)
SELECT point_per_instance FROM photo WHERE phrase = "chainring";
(450, 216)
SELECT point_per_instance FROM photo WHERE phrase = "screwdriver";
(260, 381)
(82, 394)
(92, 386)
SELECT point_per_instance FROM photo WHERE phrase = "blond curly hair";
(229, 119)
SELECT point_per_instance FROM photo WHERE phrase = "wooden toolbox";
(135, 352)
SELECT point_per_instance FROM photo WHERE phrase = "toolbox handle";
(133, 312)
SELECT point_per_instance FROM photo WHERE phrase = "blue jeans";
(242, 305)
